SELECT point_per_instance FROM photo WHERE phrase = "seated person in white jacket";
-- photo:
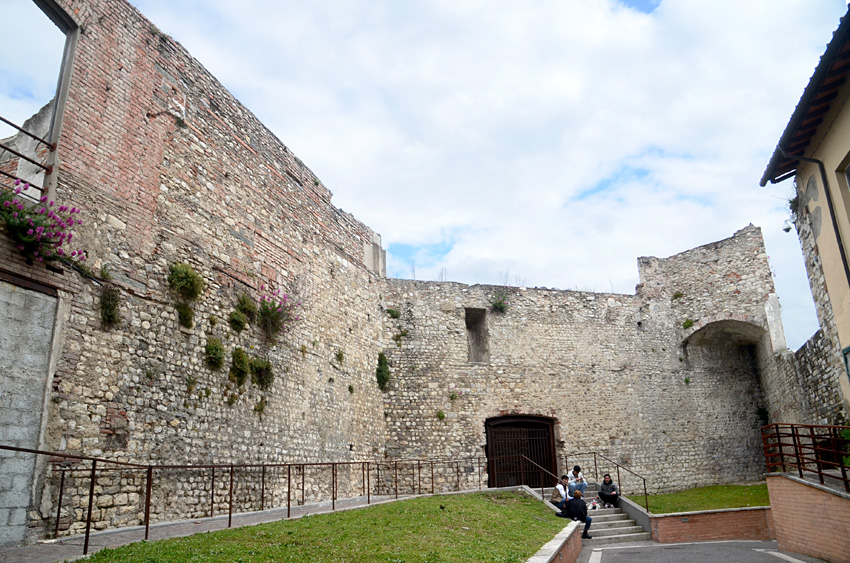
(577, 482)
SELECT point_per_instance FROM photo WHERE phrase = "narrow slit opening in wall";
(476, 333)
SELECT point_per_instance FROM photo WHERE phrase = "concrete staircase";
(610, 525)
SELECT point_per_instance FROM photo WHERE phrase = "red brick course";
(810, 520)
(734, 524)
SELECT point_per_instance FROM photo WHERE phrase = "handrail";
(102, 464)
(13, 177)
(389, 475)
(813, 448)
(28, 134)
(617, 465)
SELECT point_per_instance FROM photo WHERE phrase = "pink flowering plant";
(277, 313)
(42, 231)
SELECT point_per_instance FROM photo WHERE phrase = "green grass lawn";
(707, 498)
(494, 527)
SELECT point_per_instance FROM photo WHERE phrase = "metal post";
(368, 484)
(779, 444)
(148, 489)
(413, 479)
(395, 477)
(479, 473)
(302, 484)
(212, 493)
(595, 468)
(432, 477)
(645, 497)
(816, 450)
(457, 468)
(378, 477)
(91, 502)
(288, 490)
(59, 507)
(797, 450)
(230, 510)
(419, 481)
(619, 481)
(263, 489)
(333, 486)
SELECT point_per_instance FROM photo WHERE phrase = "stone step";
(605, 525)
(621, 538)
(606, 532)
(601, 516)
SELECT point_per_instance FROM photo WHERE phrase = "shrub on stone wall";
(394, 313)
(247, 307)
(214, 353)
(276, 314)
(261, 373)
(499, 302)
(110, 304)
(185, 281)
(185, 314)
(237, 321)
(240, 366)
(688, 323)
(382, 372)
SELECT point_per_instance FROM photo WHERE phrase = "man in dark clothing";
(577, 510)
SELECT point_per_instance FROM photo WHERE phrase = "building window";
(476, 332)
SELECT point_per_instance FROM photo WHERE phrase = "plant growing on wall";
(240, 366)
(394, 313)
(277, 314)
(237, 321)
(214, 353)
(688, 323)
(185, 315)
(261, 373)
(441, 415)
(185, 281)
(382, 372)
(499, 302)
(110, 303)
(247, 307)
(39, 232)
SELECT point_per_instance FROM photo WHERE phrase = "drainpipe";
(822, 169)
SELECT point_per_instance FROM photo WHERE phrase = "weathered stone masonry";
(168, 167)
(619, 373)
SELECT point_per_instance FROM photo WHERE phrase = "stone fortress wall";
(167, 166)
(620, 374)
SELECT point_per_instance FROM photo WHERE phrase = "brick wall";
(735, 524)
(810, 520)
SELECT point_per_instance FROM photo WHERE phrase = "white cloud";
(485, 127)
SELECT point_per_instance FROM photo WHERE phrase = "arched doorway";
(517, 448)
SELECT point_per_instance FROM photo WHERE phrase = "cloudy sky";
(546, 143)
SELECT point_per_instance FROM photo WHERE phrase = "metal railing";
(806, 448)
(172, 492)
(610, 462)
(48, 169)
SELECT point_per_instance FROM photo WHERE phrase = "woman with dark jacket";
(608, 491)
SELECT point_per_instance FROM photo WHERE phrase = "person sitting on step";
(608, 491)
(577, 510)
(577, 482)
(559, 493)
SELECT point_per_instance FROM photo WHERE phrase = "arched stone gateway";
(511, 437)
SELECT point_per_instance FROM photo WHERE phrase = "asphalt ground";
(696, 552)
